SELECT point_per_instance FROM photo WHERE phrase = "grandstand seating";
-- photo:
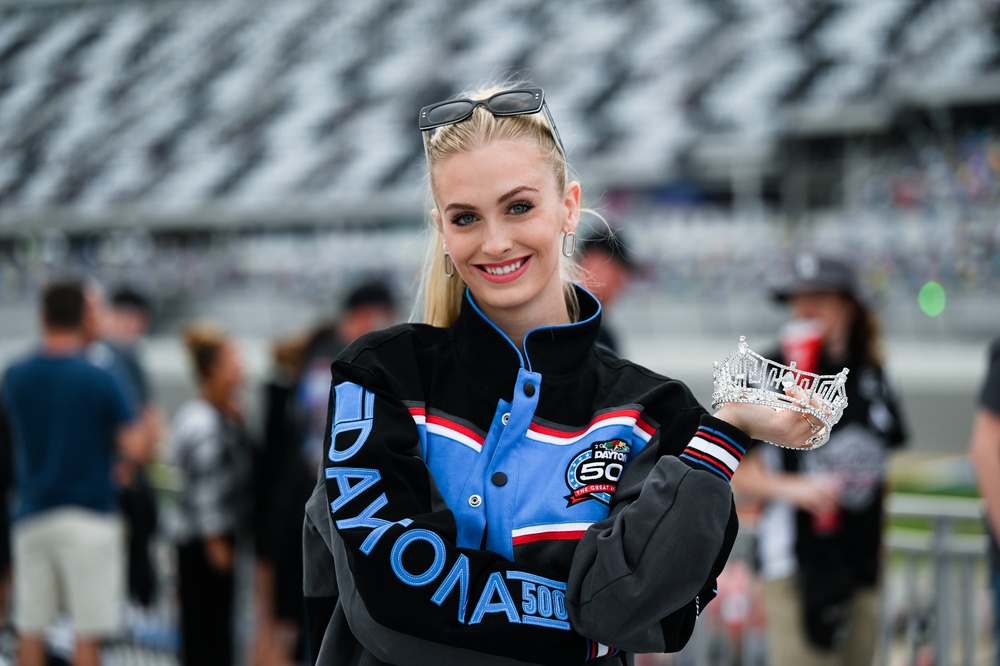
(181, 113)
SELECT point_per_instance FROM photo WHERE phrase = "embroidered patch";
(594, 473)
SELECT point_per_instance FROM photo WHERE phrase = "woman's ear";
(572, 203)
(436, 216)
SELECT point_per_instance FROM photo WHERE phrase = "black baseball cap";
(375, 292)
(128, 297)
(612, 242)
(812, 272)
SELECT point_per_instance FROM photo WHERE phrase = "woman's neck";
(518, 329)
(516, 323)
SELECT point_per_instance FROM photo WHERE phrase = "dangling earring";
(570, 249)
(449, 265)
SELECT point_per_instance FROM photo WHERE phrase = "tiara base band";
(747, 377)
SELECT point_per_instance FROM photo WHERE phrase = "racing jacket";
(481, 504)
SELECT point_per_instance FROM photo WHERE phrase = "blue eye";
(520, 208)
(463, 219)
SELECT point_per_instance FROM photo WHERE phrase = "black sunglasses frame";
(540, 106)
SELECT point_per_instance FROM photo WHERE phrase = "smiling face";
(501, 214)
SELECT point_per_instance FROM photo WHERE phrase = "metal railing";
(933, 606)
(934, 596)
(942, 575)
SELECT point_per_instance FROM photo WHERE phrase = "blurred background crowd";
(253, 162)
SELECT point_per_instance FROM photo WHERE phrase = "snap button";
(499, 479)
(475, 500)
(529, 389)
(505, 419)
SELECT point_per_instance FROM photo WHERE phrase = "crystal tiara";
(746, 376)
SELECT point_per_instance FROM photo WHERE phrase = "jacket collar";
(549, 349)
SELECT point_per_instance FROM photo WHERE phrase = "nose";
(496, 238)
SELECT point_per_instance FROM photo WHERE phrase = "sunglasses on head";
(518, 102)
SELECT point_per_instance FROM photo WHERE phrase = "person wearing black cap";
(126, 323)
(296, 399)
(820, 531)
(369, 306)
(607, 266)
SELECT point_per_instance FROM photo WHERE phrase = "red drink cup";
(801, 341)
(826, 522)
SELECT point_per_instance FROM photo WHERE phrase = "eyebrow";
(514, 192)
(506, 196)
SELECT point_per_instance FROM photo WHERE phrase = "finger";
(809, 399)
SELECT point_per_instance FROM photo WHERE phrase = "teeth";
(510, 268)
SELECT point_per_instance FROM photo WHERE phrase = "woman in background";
(820, 532)
(211, 451)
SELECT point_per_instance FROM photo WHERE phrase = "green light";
(931, 299)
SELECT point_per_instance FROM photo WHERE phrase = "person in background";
(6, 491)
(124, 324)
(496, 488)
(68, 419)
(607, 266)
(111, 333)
(211, 450)
(296, 397)
(819, 535)
(369, 306)
(984, 451)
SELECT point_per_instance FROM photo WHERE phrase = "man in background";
(122, 326)
(608, 266)
(369, 306)
(6, 490)
(68, 420)
(984, 449)
(112, 329)
(297, 397)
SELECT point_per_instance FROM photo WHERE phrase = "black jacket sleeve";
(640, 577)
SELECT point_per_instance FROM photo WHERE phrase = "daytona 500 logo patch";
(594, 473)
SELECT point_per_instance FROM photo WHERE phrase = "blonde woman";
(497, 489)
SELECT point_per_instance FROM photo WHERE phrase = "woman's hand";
(784, 427)
(816, 493)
